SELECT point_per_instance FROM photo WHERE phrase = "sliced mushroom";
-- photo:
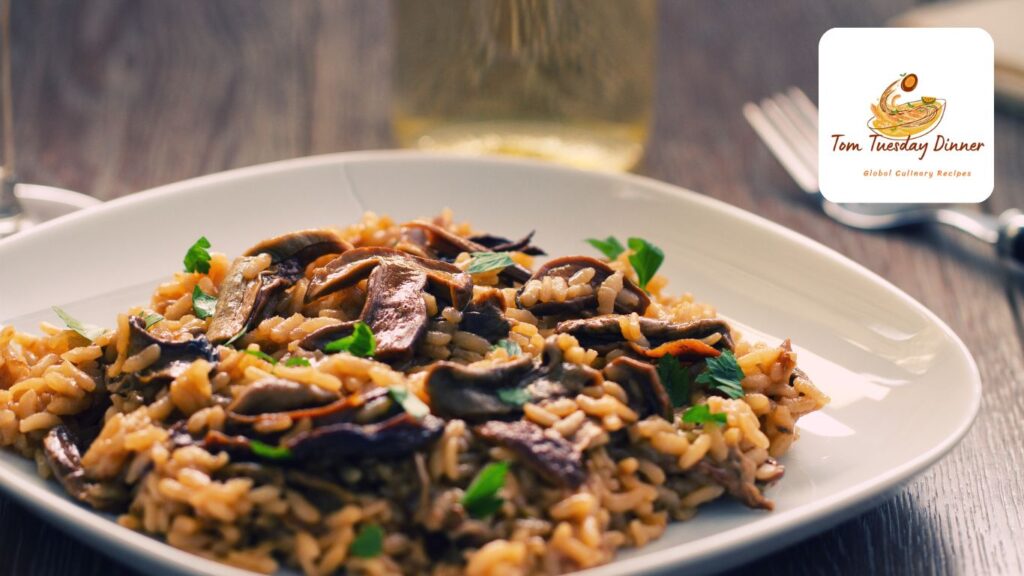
(65, 461)
(175, 357)
(244, 299)
(500, 244)
(630, 299)
(643, 387)
(485, 317)
(604, 333)
(398, 435)
(321, 414)
(448, 245)
(549, 455)
(737, 474)
(394, 307)
(272, 395)
(498, 392)
(477, 394)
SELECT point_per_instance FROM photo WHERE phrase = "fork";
(787, 123)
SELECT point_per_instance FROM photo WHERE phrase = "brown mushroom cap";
(604, 333)
(548, 454)
(394, 307)
(451, 245)
(631, 299)
(242, 301)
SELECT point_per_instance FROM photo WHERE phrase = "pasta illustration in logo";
(912, 119)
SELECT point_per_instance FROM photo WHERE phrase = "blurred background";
(116, 96)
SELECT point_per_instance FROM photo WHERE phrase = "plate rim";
(784, 527)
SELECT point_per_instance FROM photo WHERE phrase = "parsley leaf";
(197, 259)
(264, 450)
(701, 414)
(87, 331)
(410, 402)
(723, 374)
(481, 498)
(360, 342)
(675, 379)
(203, 304)
(369, 542)
(296, 361)
(646, 259)
(510, 347)
(151, 319)
(610, 246)
(516, 396)
(486, 261)
(261, 355)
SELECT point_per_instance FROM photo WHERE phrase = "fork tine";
(807, 129)
(804, 104)
(779, 145)
(794, 128)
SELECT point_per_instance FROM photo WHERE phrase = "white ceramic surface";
(904, 387)
(42, 203)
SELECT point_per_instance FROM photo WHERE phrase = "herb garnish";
(151, 319)
(481, 498)
(87, 331)
(486, 261)
(197, 259)
(264, 450)
(610, 246)
(296, 361)
(203, 304)
(646, 259)
(261, 355)
(360, 342)
(369, 542)
(675, 379)
(410, 402)
(724, 374)
(701, 414)
(516, 396)
(509, 346)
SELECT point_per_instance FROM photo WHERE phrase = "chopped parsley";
(151, 319)
(510, 347)
(368, 542)
(610, 246)
(486, 261)
(203, 304)
(675, 379)
(701, 414)
(516, 396)
(723, 374)
(261, 355)
(264, 450)
(481, 498)
(410, 402)
(360, 342)
(646, 259)
(87, 331)
(296, 361)
(197, 259)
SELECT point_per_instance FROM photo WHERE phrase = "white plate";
(904, 387)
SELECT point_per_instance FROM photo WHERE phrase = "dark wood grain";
(116, 96)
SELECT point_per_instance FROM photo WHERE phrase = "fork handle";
(1011, 236)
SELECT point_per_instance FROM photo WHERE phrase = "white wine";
(565, 80)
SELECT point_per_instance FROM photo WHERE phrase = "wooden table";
(115, 96)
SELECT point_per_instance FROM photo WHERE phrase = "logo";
(912, 119)
(913, 147)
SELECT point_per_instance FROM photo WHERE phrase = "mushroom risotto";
(406, 398)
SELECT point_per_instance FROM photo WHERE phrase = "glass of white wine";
(565, 80)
